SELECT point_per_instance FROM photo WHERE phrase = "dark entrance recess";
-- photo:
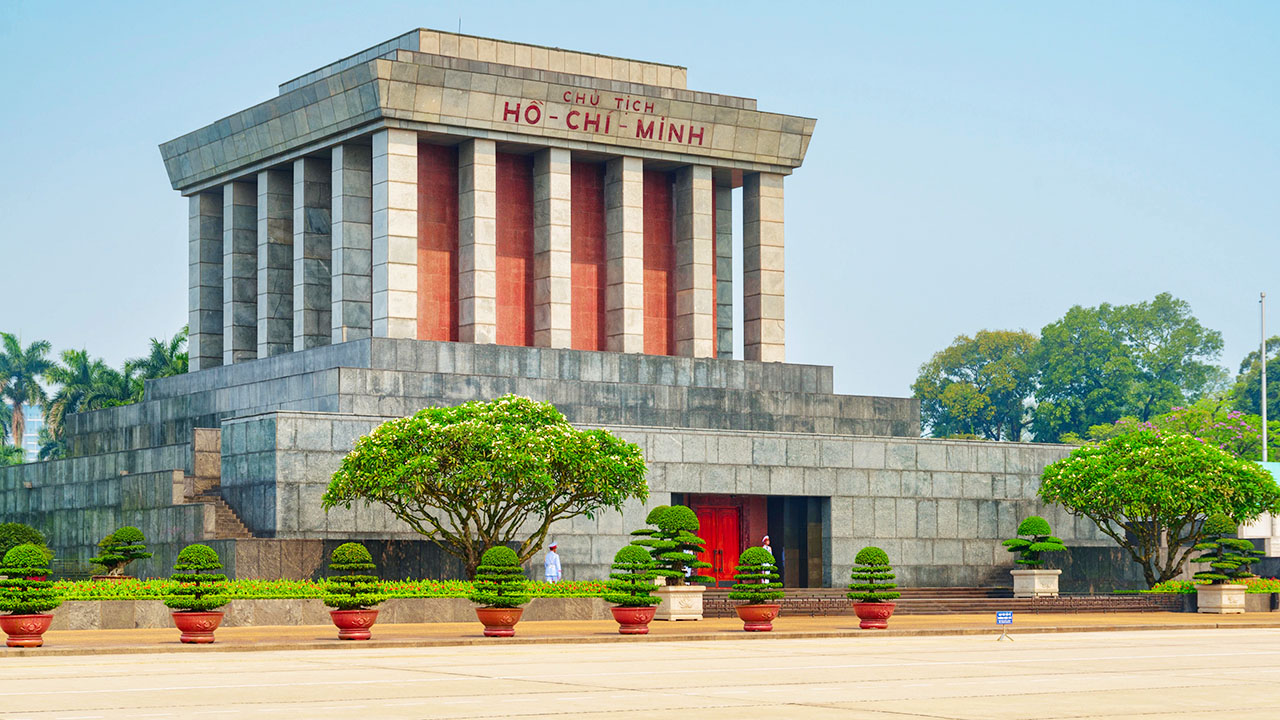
(732, 523)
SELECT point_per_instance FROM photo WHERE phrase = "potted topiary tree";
(1228, 559)
(500, 589)
(674, 546)
(756, 581)
(198, 595)
(118, 549)
(630, 588)
(872, 588)
(1031, 580)
(26, 599)
(354, 594)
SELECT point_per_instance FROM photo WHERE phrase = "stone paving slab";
(232, 639)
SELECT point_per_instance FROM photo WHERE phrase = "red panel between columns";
(515, 249)
(587, 276)
(659, 265)
(437, 242)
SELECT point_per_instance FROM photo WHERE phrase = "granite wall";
(939, 508)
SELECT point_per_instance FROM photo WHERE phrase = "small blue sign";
(1004, 617)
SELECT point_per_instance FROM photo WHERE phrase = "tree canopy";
(485, 474)
(1145, 490)
(20, 371)
(1209, 419)
(979, 385)
(1247, 391)
(1093, 366)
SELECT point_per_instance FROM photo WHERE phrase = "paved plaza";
(1119, 674)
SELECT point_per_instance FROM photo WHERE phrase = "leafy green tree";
(1228, 557)
(200, 587)
(1247, 391)
(352, 587)
(1209, 419)
(499, 581)
(756, 579)
(979, 385)
(1097, 365)
(166, 358)
(872, 577)
(120, 548)
(6, 419)
(1148, 491)
(631, 577)
(1039, 540)
(51, 448)
(12, 455)
(674, 544)
(13, 534)
(20, 372)
(19, 594)
(471, 477)
(84, 383)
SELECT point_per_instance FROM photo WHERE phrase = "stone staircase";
(205, 485)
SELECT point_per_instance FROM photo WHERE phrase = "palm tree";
(166, 359)
(12, 455)
(6, 420)
(85, 384)
(20, 370)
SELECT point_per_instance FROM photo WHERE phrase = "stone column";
(724, 271)
(395, 234)
(764, 327)
(239, 272)
(624, 254)
(552, 249)
(695, 263)
(352, 228)
(275, 262)
(477, 242)
(312, 247)
(204, 284)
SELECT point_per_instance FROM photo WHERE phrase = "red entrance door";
(720, 528)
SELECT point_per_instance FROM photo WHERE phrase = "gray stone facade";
(939, 508)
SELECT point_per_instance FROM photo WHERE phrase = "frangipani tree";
(1150, 491)
(485, 474)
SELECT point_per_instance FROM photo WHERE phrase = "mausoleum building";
(444, 218)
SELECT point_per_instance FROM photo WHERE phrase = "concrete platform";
(1204, 673)
(298, 637)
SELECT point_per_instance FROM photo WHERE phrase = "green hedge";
(295, 589)
(1252, 585)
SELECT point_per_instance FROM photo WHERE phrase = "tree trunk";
(19, 426)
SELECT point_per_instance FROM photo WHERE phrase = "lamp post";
(1262, 301)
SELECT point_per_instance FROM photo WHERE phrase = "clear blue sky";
(976, 165)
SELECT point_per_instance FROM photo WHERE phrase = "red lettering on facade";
(507, 112)
(567, 95)
(697, 134)
(643, 132)
(590, 120)
(568, 119)
(532, 114)
(648, 107)
(675, 134)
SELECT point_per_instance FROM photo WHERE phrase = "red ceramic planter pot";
(499, 622)
(197, 627)
(874, 615)
(633, 620)
(758, 618)
(25, 630)
(354, 624)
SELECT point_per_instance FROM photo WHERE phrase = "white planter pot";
(1035, 583)
(1220, 599)
(679, 602)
